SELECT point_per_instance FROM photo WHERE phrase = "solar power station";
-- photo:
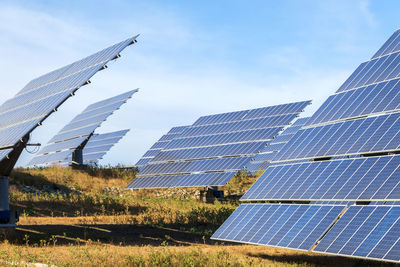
(213, 149)
(20, 115)
(263, 159)
(347, 152)
(74, 145)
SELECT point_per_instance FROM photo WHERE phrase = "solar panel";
(225, 138)
(362, 179)
(371, 232)
(279, 225)
(80, 129)
(360, 136)
(239, 149)
(184, 180)
(243, 125)
(371, 99)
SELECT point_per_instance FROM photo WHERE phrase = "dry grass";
(93, 254)
(60, 177)
(130, 229)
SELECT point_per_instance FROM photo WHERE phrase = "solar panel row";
(290, 108)
(286, 225)
(390, 46)
(374, 71)
(373, 178)
(366, 135)
(225, 138)
(185, 180)
(372, 99)
(243, 125)
(218, 164)
(366, 232)
(104, 55)
(239, 149)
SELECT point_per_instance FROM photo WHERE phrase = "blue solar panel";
(226, 138)
(250, 148)
(40, 97)
(366, 135)
(367, 232)
(243, 125)
(222, 142)
(376, 98)
(390, 46)
(185, 180)
(218, 164)
(291, 108)
(280, 225)
(81, 128)
(373, 178)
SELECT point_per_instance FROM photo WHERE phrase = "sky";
(193, 58)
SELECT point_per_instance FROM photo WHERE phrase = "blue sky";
(193, 58)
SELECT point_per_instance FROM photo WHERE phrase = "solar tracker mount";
(42, 96)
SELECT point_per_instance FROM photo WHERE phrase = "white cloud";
(179, 77)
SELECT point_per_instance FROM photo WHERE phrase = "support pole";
(4, 200)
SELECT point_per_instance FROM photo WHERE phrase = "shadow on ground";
(106, 234)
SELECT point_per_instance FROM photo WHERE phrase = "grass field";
(77, 218)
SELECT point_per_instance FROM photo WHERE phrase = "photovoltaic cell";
(279, 225)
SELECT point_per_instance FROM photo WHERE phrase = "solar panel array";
(213, 149)
(346, 154)
(21, 114)
(262, 160)
(76, 133)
